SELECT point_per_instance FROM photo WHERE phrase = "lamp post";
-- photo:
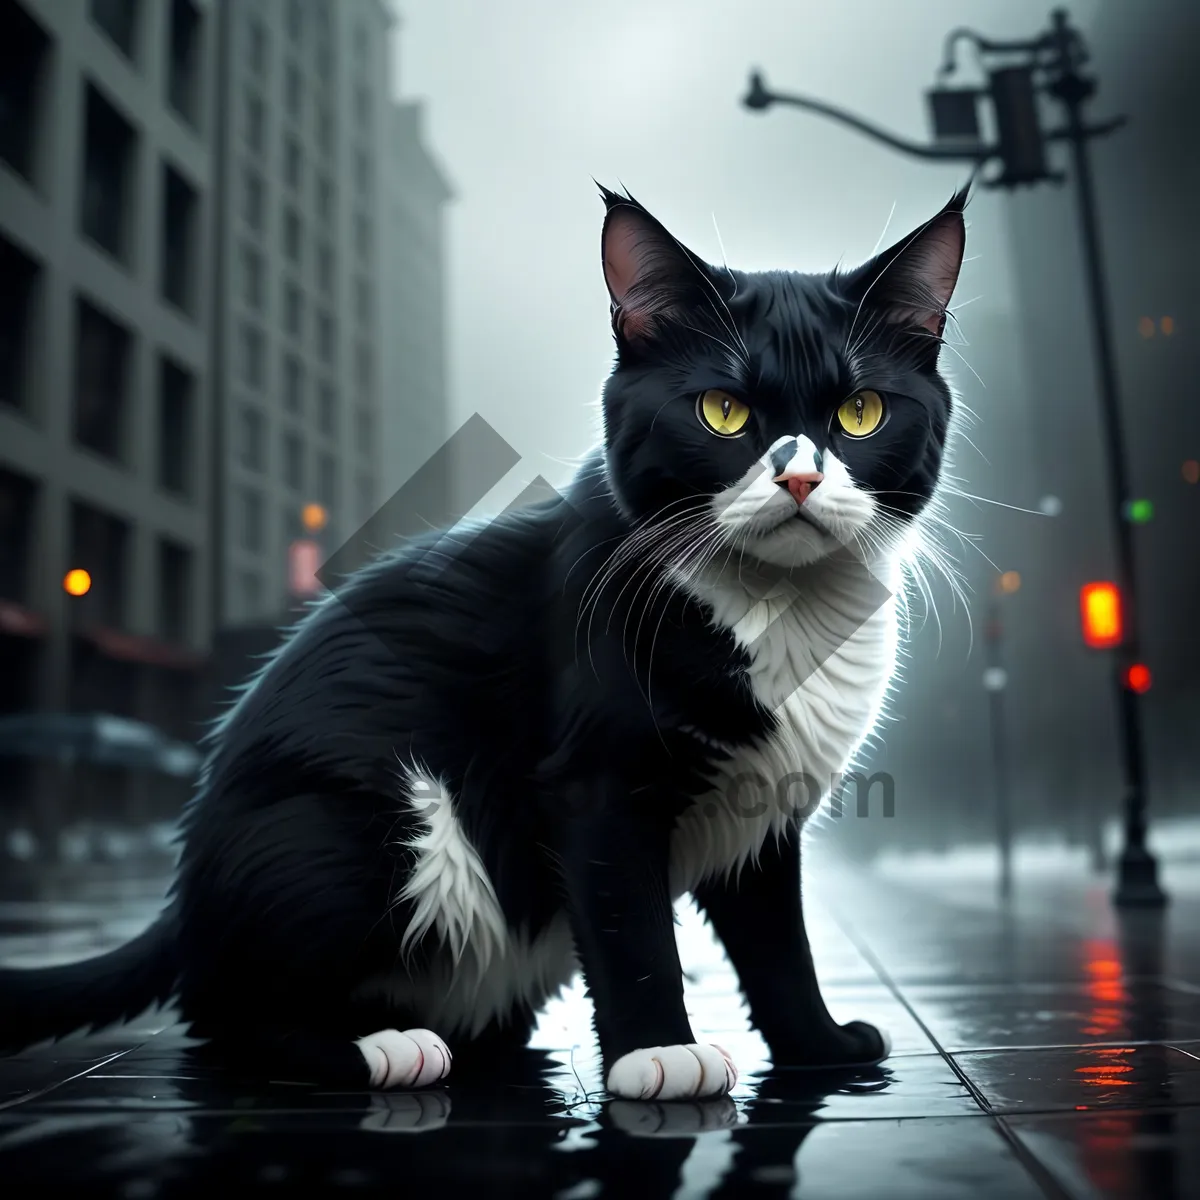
(1017, 72)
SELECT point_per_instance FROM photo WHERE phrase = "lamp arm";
(763, 98)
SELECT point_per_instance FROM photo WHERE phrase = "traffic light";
(1102, 616)
(1137, 678)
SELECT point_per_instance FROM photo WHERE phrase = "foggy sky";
(529, 99)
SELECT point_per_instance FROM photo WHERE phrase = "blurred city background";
(260, 258)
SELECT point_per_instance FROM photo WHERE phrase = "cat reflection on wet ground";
(520, 1137)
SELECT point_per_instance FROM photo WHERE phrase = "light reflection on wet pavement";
(1050, 1051)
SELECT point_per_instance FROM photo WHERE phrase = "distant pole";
(995, 681)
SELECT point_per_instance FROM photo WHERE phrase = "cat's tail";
(50, 1002)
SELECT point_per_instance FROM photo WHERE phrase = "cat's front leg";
(758, 916)
(613, 853)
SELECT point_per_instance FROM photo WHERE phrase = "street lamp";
(1017, 72)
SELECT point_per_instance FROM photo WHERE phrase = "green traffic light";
(1139, 511)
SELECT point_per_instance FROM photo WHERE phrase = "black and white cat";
(498, 755)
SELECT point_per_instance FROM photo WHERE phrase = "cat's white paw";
(412, 1059)
(672, 1073)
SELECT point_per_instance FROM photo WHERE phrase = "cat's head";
(776, 415)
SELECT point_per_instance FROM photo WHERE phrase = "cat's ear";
(651, 278)
(912, 282)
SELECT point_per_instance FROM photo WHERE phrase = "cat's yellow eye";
(861, 415)
(724, 414)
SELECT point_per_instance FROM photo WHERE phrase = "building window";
(364, 430)
(293, 384)
(323, 57)
(293, 235)
(17, 500)
(183, 66)
(362, 171)
(362, 300)
(325, 128)
(252, 449)
(178, 247)
(293, 164)
(24, 57)
(174, 590)
(362, 106)
(325, 199)
(293, 95)
(327, 480)
(256, 48)
(293, 461)
(364, 368)
(176, 390)
(254, 206)
(325, 337)
(20, 280)
(325, 269)
(103, 351)
(256, 122)
(250, 585)
(118, 19)
(293, 310)
(251, 263)
(293, 524)
(366, 497)
(327, 410)
(362, 236)
(100, 545)
(295, 19)
(253, 356)
(252, 533)
(107, 195)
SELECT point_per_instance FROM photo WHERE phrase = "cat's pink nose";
(800, 483)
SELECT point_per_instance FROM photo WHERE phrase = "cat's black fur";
(566, 756)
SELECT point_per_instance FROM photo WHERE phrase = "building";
(1146, 175)
(297, 347)
(196, 267)
(1041, 432)
(106, 172)
(415, 389)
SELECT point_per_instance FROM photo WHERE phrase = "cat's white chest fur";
(822, 650)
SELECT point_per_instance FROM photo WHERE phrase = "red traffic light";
(1102, 616)
(1137, 678)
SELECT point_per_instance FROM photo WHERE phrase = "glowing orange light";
(1010, 582)
(314, 517)
(1191, 471)
(1146, 327)
(1167, 325)
(77, 582)
(1100, 607)
(1137, 678)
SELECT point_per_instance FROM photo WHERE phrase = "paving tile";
(1101, 1010)
(1084, 1078)
(1119, 1154)
(364, 1147)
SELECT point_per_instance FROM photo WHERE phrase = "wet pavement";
(1048, 1049)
